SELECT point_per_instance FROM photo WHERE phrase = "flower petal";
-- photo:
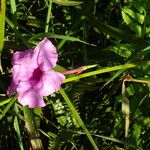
(51, 82)
(23, 57)
(30, 96)
(19, 73)
(11, 88)
(45, 54)
(31, 74)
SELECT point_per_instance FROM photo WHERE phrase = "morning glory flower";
(33, 76)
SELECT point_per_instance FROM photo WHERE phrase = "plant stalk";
(30, 124)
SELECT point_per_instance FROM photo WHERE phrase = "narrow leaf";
(57, 36)
(112, 78)
(17, 129)
(66, 2)
(2, 23)
(112, 31)
(8, 106)
(76, 115)
(4, 100)
(11, 24)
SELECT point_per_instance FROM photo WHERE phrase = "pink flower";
(32, 74)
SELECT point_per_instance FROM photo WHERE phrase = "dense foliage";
(107, 106)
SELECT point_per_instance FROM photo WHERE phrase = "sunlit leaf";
(4, 100)
(66, 2)
(2, 23)
(131, 19)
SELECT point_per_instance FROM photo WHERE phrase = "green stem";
(60, 45)
(30, 124)
(85, 55)
(48, 16)
(76, 115)
(139, 81)
(100, 71)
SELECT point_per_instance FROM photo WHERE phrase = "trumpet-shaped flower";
(32, 74)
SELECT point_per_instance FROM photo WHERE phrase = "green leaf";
(139, 5)
(132, 19)
(14, 11)
(4, 100)
(57, 36)
(38, 112)
(8, 106)
(114, 32)
(17, 129)
(63, 116)
(62, 120)
(112, 78)
(136, 133)
(48, 134)
(19, 34)
(113, 140)
(146, 122)
(138, 17)
(124, 50)
(2, 23)
(76, 115)
(116, 140)
(66, 2)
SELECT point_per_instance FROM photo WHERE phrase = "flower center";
(37, 74)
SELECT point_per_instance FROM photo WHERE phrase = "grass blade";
(66, 2)
(114, 32)
(2, 28)
(76, 115)
(16, 31)
(57, 36)
(4, 100)
(2, 23)
(8, 106)
(17, 129)
(14, 10)
(112, 78)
